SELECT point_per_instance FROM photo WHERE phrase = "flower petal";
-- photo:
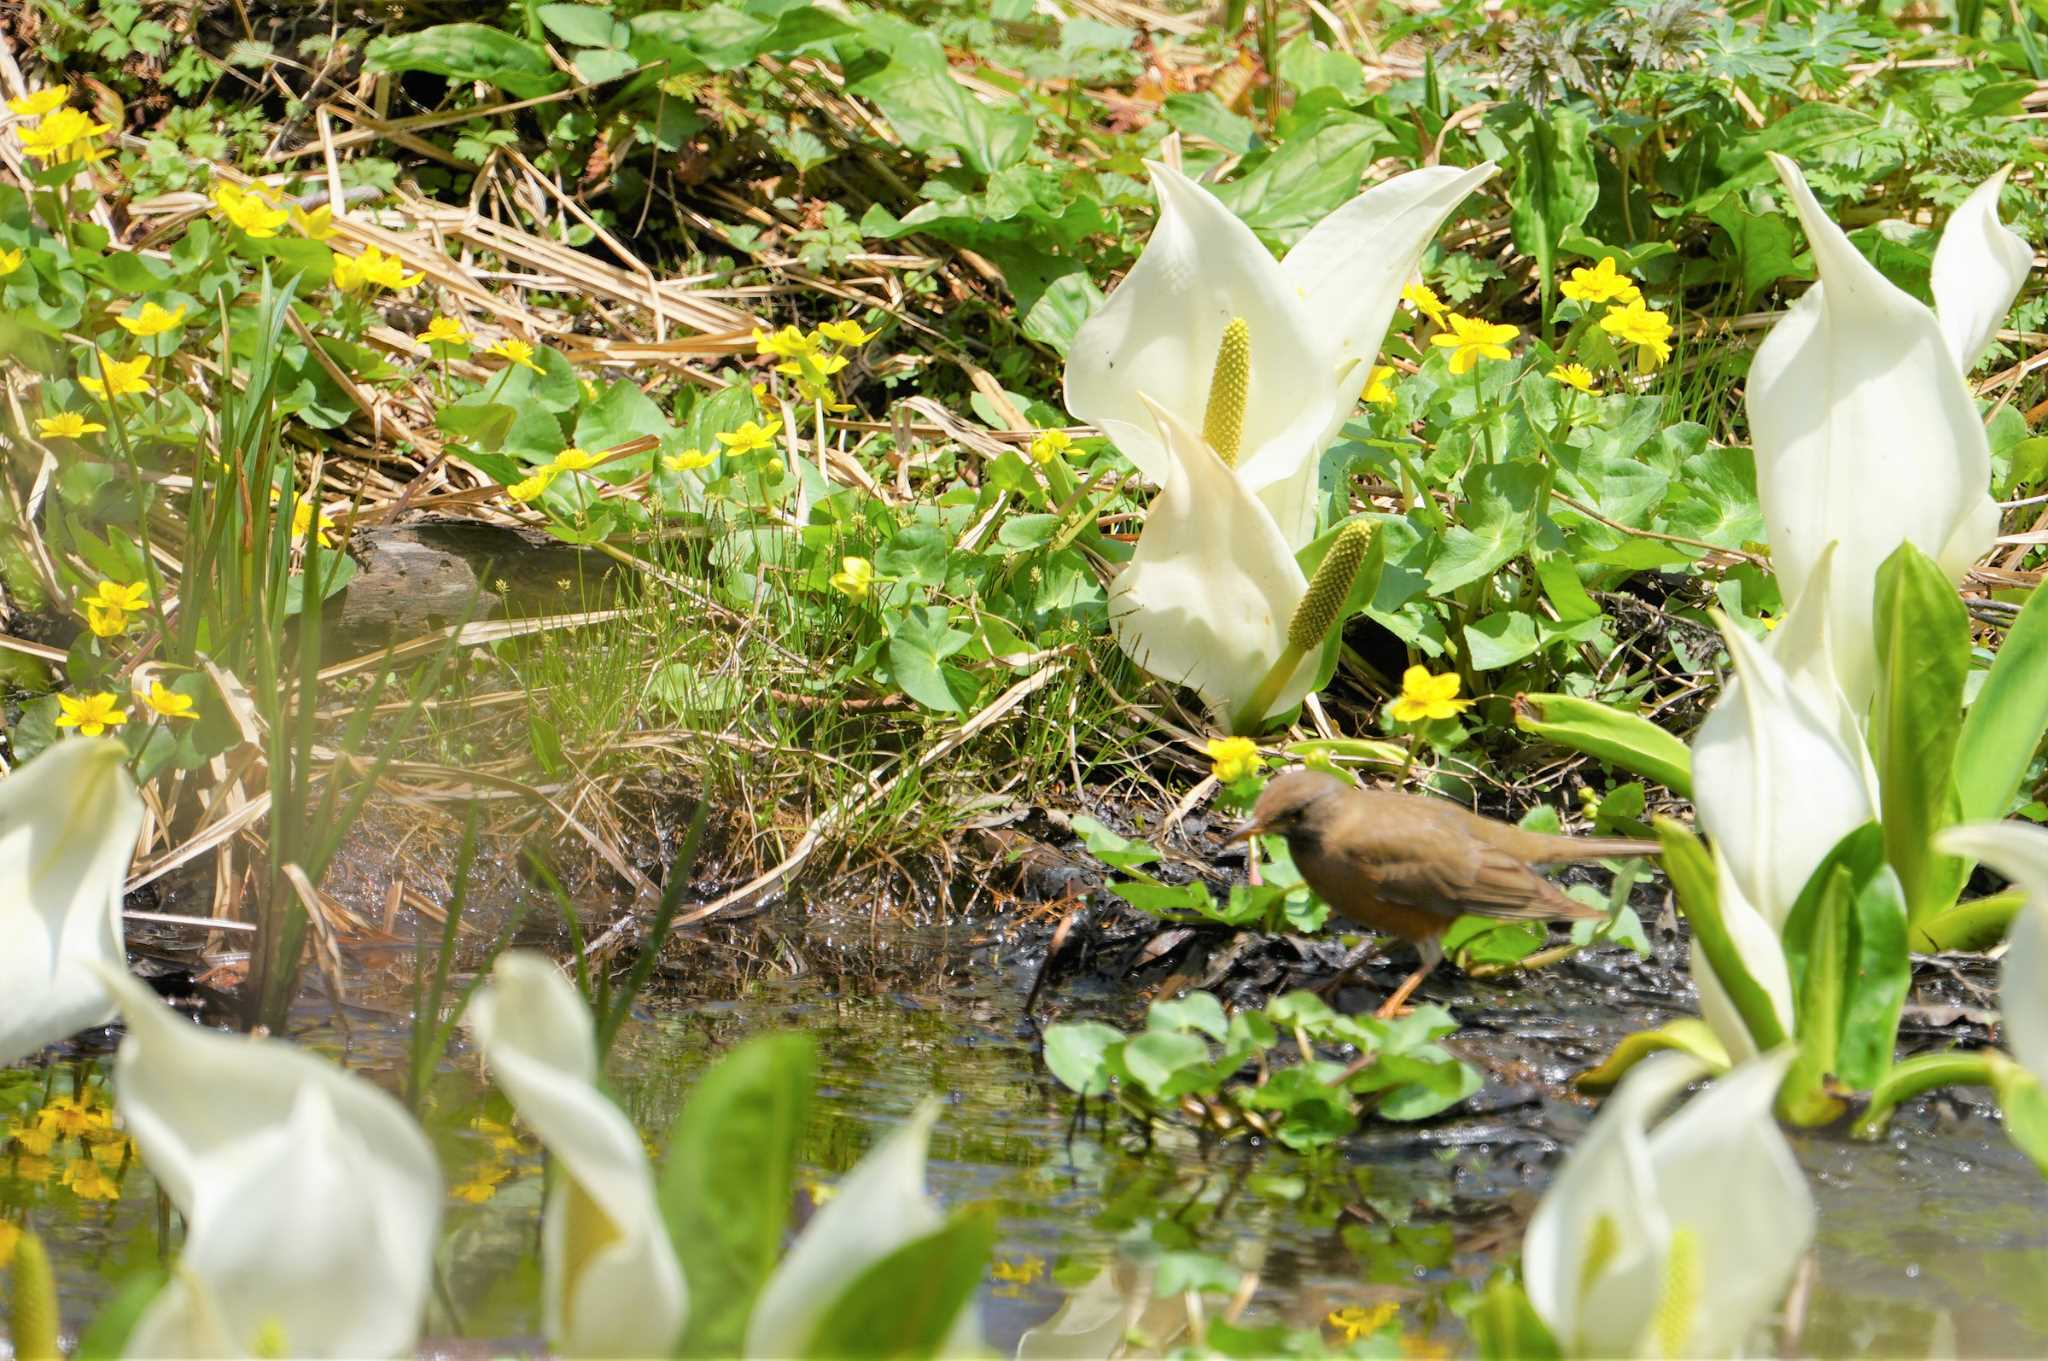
(1207, 595)
(1865, 433)
(68, 821)
(1723, 1170)
(613, 1285)
(1979, 265)
(1772, 783)
(1158, 333)
(312, 1197)
(2020, 853)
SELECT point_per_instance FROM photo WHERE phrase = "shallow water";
(1933, 1242)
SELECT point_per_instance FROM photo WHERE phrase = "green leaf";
(1845, 947)
(1116, 851)
(2024, 1105)
(106, 1337)
(918, 644)
(725, 1185)
(1076, 1052)
(1198, 1011)
(1314, 171)
(1923, 659)
(468, 52)
(1204, 115)
(1500, 639)
(1165, 1063)
(1693, 879)
(1688, 1035)
(2003, 728)
(584, 25)
(1507, 1327)
(918, 555)
(1627, 741)
(928, 108)
(620, 414)
(1499, 522)
(906, 1305)
(1556, 187)
(1978, 924)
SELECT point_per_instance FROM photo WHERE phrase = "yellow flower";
(92, 715)
(1354, 1322)
(1600, 284)
(10, 1233)
(105, 623)
(11, 260)
(153, 321)
(317, 225)
(1634, 324)
(62, 134)
(30, 1167)
(854, 577)
(303, 512)
(814, 367)
(111, 595)
(1022, 1273)
(530, 488)
(846, 332)
(168, 703)
(787, 343)
(482, 1184)
(254, 211)
(1234, 758)
(75, 1119)
(444, 331)
(750, 438)
(35, 1135)
(503, 1138)
(372, 268)
(119, 377)
(89, 1181)
(1573, 376)
(1470, 340)
(1049, 445)
(1424, 696)
(1423, 299)
(574, 460)
(1376, 390)
(113, 1151)
(66, 425)
(39, 102)
(687, 460)
(514, 352)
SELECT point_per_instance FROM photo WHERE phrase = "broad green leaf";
(1314, 171)
(2002, 729)
(1556, 186)
(1197, 1011)
(468, 52)
(584, 25)
(1507, 1327)
(1501, 639)
(2024, 1105)
(1699, 898)
(1845, 948)
(1160, 1060)
(623, 413)
(1204, 115)
(1978, 924)
(908, 1304)
(1923, 659)
(1627, 741)
(917, 555)
(1075, 1052)
(725, 1185)
(1498, 525)
(918, 645)
(1688, 1035)
(916, 92)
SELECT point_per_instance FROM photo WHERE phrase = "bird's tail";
(1560, 850)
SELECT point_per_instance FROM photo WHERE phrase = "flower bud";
(1316, 615)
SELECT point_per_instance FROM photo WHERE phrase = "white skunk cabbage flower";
(1208, 594)
(68, 822)
(311, 1198)
(1864, 427)
(1676, 1241)
(1317, 319)
(2020, 853)
(610, 1279)
(1763, 957)
(878, 1207)
(1773, 781)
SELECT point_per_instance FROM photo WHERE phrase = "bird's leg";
(1432, 952)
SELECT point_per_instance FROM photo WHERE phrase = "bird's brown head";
(1293, 804)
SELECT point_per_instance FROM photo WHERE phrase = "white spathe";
(2019, 851)
(1865, 430)
(1773, 783)
(878, 1207)
(311, 1198)
(1207, 595)
(1763, 956)
(1317, 320)
(1676, 1241)
(610, 1279)
(68, 822)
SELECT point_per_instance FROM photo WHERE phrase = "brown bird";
(1411, 865)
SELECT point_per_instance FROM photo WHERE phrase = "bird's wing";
(1440, 868)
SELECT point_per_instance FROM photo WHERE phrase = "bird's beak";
(1245, 832)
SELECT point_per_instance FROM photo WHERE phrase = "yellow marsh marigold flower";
(530, 488)
(1234, 758)
(854, 577)
(1376, 390)
(165, 702)
(1470, 340)
(1601, 283)
(89, 1181)
(787, 343)
(1423, 299)
(34, 1134)
(574, 460)
(39, 102)
(92, 715)
(1354, 1322)
(514, 352)
(303, 512)
(119, 377)
(1650, 332)
(11, 260)
(111, 595)
(1573, 376)
(66, 425)
(751, 437)
(444, 331)
(317, 225)
(688, 460)
(373, 268)
(1048, 445)
(75, 1119)
(254, 210)
(61, 135)
(151, 321)
(482, 1184)
(106, 623)
(1424, 696)
(846, 332)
